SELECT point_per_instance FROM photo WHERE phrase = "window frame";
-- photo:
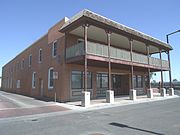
(54, 49)
(101, 76)
(33, 80)
(81, 74)
(138, 81)
(18, 84)
(40, 56)
(49, 79)
(30, 60)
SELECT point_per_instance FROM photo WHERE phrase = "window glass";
(40, 55)
(54, 49)
(135, 81)
(102, 80)
(30, 60)
(98, 80)
(138, 81)
(77, 80)
(18, 83)
(50, 78)
(34, 80)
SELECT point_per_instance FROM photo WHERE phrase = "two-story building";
(87, 56)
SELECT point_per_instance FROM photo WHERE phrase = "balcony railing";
(75, 50)
(116, 53)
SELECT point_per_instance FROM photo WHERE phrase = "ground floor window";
(102, 80)
(77, 80)
(18, 84)
(34, 80)
(116, 81)
(138, 81)
(50, 78)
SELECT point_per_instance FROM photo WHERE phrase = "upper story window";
(34, 80)
(22, 64)
(30, 60)
(40, 56)
(54, 49)
(50, 78)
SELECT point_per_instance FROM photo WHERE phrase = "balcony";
(97, 49)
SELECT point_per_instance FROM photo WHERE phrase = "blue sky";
(22, 22)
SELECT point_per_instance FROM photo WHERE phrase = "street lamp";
(167, 38)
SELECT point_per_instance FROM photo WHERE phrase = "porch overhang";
(74, 24)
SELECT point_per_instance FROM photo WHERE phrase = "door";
(41, 87)
(116, 84)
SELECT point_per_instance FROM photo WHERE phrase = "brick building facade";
(87, 52)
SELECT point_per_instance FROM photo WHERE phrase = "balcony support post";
(149, 90)
(169, 61)
(162, 82)
(85, 93)
(149, 79)
(132, 90)
(110, 92)
(171, 89)
(162, 89)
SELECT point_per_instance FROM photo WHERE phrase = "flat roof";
(96, 17)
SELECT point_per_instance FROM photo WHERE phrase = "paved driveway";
(13, 105)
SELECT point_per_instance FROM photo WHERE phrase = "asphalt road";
(153, 118)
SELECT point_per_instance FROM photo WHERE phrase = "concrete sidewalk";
(119, 101)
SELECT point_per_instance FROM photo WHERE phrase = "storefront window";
(138, 81)
(102, 80)
(77, 80)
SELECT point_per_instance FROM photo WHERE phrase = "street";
(153, 118)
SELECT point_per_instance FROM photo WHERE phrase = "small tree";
(175, 80)
(152, 74)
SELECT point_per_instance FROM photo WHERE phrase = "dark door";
(116, 84)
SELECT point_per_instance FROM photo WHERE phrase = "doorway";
(120, 84)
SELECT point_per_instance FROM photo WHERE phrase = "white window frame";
(40, 56)
(34, 80)
(30, 60)
(53, 55)
(18, 84)
(49, 71)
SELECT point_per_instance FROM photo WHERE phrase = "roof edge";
(107, 21)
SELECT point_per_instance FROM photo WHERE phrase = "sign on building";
(55, 75)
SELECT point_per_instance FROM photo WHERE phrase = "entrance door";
(116, 84)
(41, 87)
(120, 84)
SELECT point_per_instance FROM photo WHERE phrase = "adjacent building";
(87, 53)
